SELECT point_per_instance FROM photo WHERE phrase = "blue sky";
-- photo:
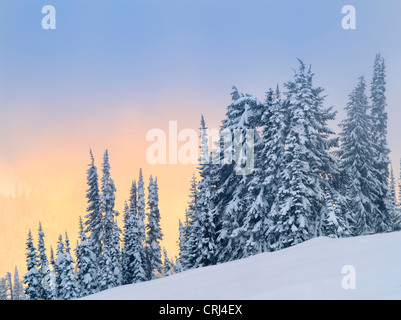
(163, 53)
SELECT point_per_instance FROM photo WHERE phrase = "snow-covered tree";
(207, 249)
(177, 265)
(167, 265)
(3, 289)
(86, 265)
(183, 243)
(399, 189)
(94, 222)
(382, 221)
(141, 222)
(265, 181)
(395, 214)
(18, 290)
(133, 250)
(110, 275)
(154, 234)
(191, 235)
(332, 221)
(229, 199)
(45, 291)
(59, 266)
(308, 166)
(68, 285)
(357, 165)
(31, 278)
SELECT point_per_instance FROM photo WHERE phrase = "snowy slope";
(311, 270)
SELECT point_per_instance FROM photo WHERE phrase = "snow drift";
(311, 270)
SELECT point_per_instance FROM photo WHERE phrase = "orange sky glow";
(47, 183)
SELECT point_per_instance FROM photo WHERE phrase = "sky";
(113, 70)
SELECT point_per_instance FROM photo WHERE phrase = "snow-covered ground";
(311, 270)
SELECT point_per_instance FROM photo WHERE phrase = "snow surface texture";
(310, 270)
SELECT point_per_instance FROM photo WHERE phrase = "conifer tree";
(154, 234)
(94, 222)
(141, 223)
(45, 292)
(31, 278)
(167, 265)
(111, 260)
(357, 165)
(232, 177)
(183, 243)
(382, 221)
(68, 283)
(207, 250)
(395, 214)
(86, 265)
(133, 251)
(18, 290)
(192, 227)
(309, 167)
(265, 181)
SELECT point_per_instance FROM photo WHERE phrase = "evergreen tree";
(68, 283)
(167, 265)
(399, 189)
(308, 165)
(52, 274)
(357, 165)
(192, 227)
(264, 182)
(86, 265)
(44, 292)
(111, 261)
(332, 221)
(177, 265)
(207, 249)
(18, 290)
(141, 223)
(31, 278)
(3, 289)
(133, 252)
(382, 221)
(183, 243)
(94, 223)
(59, 266)
(395, 214)
(230, 182)
(154, 233)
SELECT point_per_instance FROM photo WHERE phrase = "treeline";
(11, 287)
(105, 255)
(306, 182)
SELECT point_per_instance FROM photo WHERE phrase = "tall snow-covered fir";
(31, 278)
(229, 198)
(44, 292)
(110, 275)
(264, 182)
(94, 220)
(308, 166)
(382, 221)
(359, 172)
(154, 234)
(86, 265)
(206, 237)
(133, 250)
